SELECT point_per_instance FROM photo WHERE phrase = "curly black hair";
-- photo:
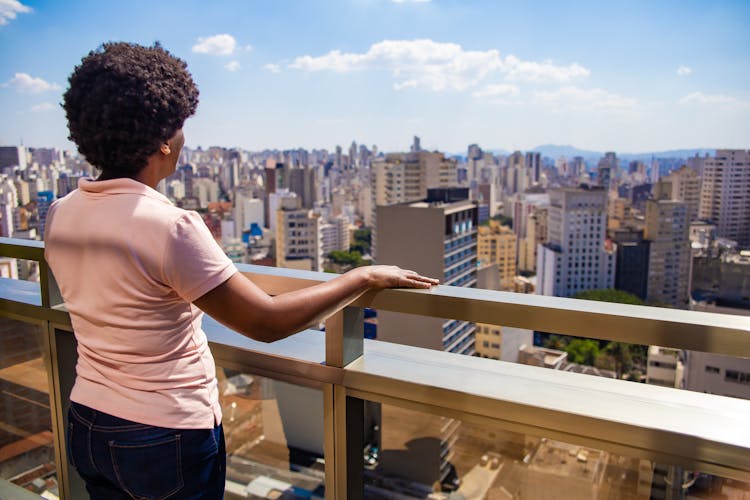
(123, 101)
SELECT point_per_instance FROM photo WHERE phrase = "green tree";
(609, 295)
(582, 351)
(620, 354)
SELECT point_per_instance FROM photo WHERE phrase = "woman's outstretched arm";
(242, 306)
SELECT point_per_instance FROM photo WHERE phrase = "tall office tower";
(631, 267)
(533, 164)
(406, 177)
(497, 244)
(436, 239)
(337, 159)
(725, 194)
(668, 230)
(608, 170)
(686, 186)
(536, 234)
(353, 157)
(299, 243)
(655, 174)
(575, 257)
(13, 156)
(8, 201)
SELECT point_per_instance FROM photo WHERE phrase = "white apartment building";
(718, 374)
(575, 257)
(725, 194)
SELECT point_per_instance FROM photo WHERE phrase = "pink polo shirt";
(129, 265)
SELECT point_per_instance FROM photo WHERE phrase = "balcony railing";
(696, 431)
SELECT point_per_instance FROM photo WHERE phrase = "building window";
(712, 369)
(737, 376)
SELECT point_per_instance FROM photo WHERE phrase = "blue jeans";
(120, 459)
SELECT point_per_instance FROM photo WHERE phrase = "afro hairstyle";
(123, 101)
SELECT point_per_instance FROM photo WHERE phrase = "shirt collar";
(122, 185)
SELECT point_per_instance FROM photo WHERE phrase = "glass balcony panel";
(27, 454)
(19, 280)
(423, 454)
(274, 437)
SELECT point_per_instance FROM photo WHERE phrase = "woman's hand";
(379, 277)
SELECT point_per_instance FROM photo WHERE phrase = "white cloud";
(544, 72)
(45, 106)
(24, 82)
(438, 66)
(273, 68)
(725, 102)
(9, 9)
(684, 71)
(232, 66)
(498, 90)
(585, 99)
(217, 45)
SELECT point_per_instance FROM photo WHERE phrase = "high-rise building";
(533, 163)
(299, 243)
(631, 267)
(8, 202)
(496, 244)
(436, 239)
(686, 186)
(13, 156)
(576, 256)
(335, 234)
(668, 233)
(608, 170)
(536, 234)
(725, 194)
(406, 177)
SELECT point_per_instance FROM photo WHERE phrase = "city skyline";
(281, 75)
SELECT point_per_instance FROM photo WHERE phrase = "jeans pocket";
(148, 470)
(69, 444)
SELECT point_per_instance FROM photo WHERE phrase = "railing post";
(344, 415)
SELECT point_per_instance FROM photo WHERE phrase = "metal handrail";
(701, 431)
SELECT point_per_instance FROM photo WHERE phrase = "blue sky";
(628, 76)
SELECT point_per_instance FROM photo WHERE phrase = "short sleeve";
(194, 263)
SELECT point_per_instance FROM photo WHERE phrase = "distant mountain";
(555, 151)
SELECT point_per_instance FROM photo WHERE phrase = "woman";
(136, 273)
